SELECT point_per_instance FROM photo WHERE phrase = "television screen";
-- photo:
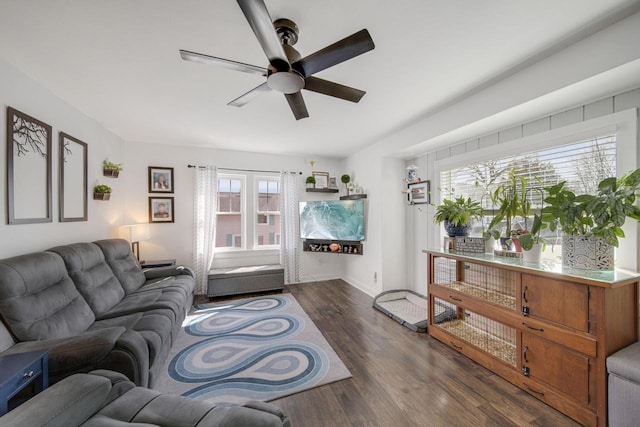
(332, 220)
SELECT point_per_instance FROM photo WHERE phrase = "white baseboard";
(362, 287)
(306, 278)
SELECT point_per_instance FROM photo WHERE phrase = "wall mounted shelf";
(322, 190)
(353, 197)
(332, 247)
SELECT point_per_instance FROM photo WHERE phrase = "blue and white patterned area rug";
(253, 349)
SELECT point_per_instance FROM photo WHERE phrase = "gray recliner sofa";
(108, 399)
(93, 307)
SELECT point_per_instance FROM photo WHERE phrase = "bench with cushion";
(242, 280)
(624, 387)
(93, 307)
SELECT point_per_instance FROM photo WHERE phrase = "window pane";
(266, 232)
(229, 219)
(268, 225)
(229, 231)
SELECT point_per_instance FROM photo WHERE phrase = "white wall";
(175, 240)
(19, 91)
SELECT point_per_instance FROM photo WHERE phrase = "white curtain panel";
(204, 223)
(289, 218)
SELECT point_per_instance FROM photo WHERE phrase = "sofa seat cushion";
(38, 299)
(126, 268)
(172, 300)
(92, 275)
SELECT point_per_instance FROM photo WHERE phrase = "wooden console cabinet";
(546, 329)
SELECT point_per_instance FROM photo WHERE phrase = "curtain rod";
(243, 170)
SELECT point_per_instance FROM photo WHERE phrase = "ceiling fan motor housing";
(286, 81)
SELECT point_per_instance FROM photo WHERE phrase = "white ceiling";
(117, 61)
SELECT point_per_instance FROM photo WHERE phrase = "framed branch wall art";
(72, 197)
(28, 169)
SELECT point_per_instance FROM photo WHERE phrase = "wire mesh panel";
(480, 281)
(495, 338)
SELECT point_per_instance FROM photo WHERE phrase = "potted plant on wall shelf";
(510, 196)
(311, 182)
(457, 214)
(101, 192)
(110, 169)
(346, 179)
(592, 224)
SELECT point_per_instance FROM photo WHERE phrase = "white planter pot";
(533, 256)
(489, 245)
(587, 253)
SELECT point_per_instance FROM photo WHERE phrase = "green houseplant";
(101, 192)
(311, 182)
(346, 179)
(592, 223)
(510, 195)
(531, 242)
(457, 214)
(110, 169)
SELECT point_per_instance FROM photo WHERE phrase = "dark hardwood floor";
(400, 378)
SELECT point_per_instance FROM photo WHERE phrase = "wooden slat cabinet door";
(562, 369)
(561, 302)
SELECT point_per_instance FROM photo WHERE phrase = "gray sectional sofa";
(93, 307)
(104, 398)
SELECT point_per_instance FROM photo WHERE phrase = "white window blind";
(581, 164)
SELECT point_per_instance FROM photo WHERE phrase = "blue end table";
(19, 370)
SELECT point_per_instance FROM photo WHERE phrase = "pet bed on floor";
(409, 308)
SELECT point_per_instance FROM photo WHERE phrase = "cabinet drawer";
(556, 366)
(23, 378)
(562, 302)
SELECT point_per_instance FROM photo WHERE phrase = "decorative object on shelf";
(346, 180)
(412, 174)
(592, 224)
(457, 215)
(160, 179)
(135, 233)
(509, 195)
(419, 193)
(311, 182)
(322, 179)
(111, 170)
(28, 169)
(101, 192)
(73, 183)
(329, 246)
(469, 244)
(333, 182)
(161, 209)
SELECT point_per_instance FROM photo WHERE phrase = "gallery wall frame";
(160, 179)
(73, 183)
(161, 210)
(29, 186)
(419, 193)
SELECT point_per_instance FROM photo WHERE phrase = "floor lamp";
(135, 233)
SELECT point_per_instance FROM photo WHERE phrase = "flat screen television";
(332, 220)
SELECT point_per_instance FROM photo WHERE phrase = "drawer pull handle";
(27, 374)
(532, 328)
(532, 390)
(524, 294)
(457, 347)
(454, 298)
(524, 354)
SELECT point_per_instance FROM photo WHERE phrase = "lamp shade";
(135, 232)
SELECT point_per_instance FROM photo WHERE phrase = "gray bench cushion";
(91, 274)
(39, 300)
(254, 270)
(240, 280)
(626, 363)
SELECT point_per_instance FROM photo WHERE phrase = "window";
(268, 212)
(229, 226)
(582, 165)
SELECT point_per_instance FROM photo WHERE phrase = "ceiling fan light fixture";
(287, 82)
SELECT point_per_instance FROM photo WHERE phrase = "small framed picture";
(419, 193)
(332, 182)
(161, 209)
(322, 179)
(160, 179)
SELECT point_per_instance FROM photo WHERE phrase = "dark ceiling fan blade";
(227, 63)
(336, 90)
(296, 102)
(258, 16)
(343, 50)
(247, 97)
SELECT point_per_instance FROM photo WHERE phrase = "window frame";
(256, 212)
(243, 216)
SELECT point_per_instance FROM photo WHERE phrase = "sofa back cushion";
(118, 255)
(92, 276)
(39, 301)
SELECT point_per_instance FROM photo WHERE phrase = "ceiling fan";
(288, 72)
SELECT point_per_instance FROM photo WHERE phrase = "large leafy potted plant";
(457, 214)
(509, 195)
(531, 242)
(592, 223)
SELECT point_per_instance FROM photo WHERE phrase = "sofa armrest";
(160, 272)
(68, 403)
